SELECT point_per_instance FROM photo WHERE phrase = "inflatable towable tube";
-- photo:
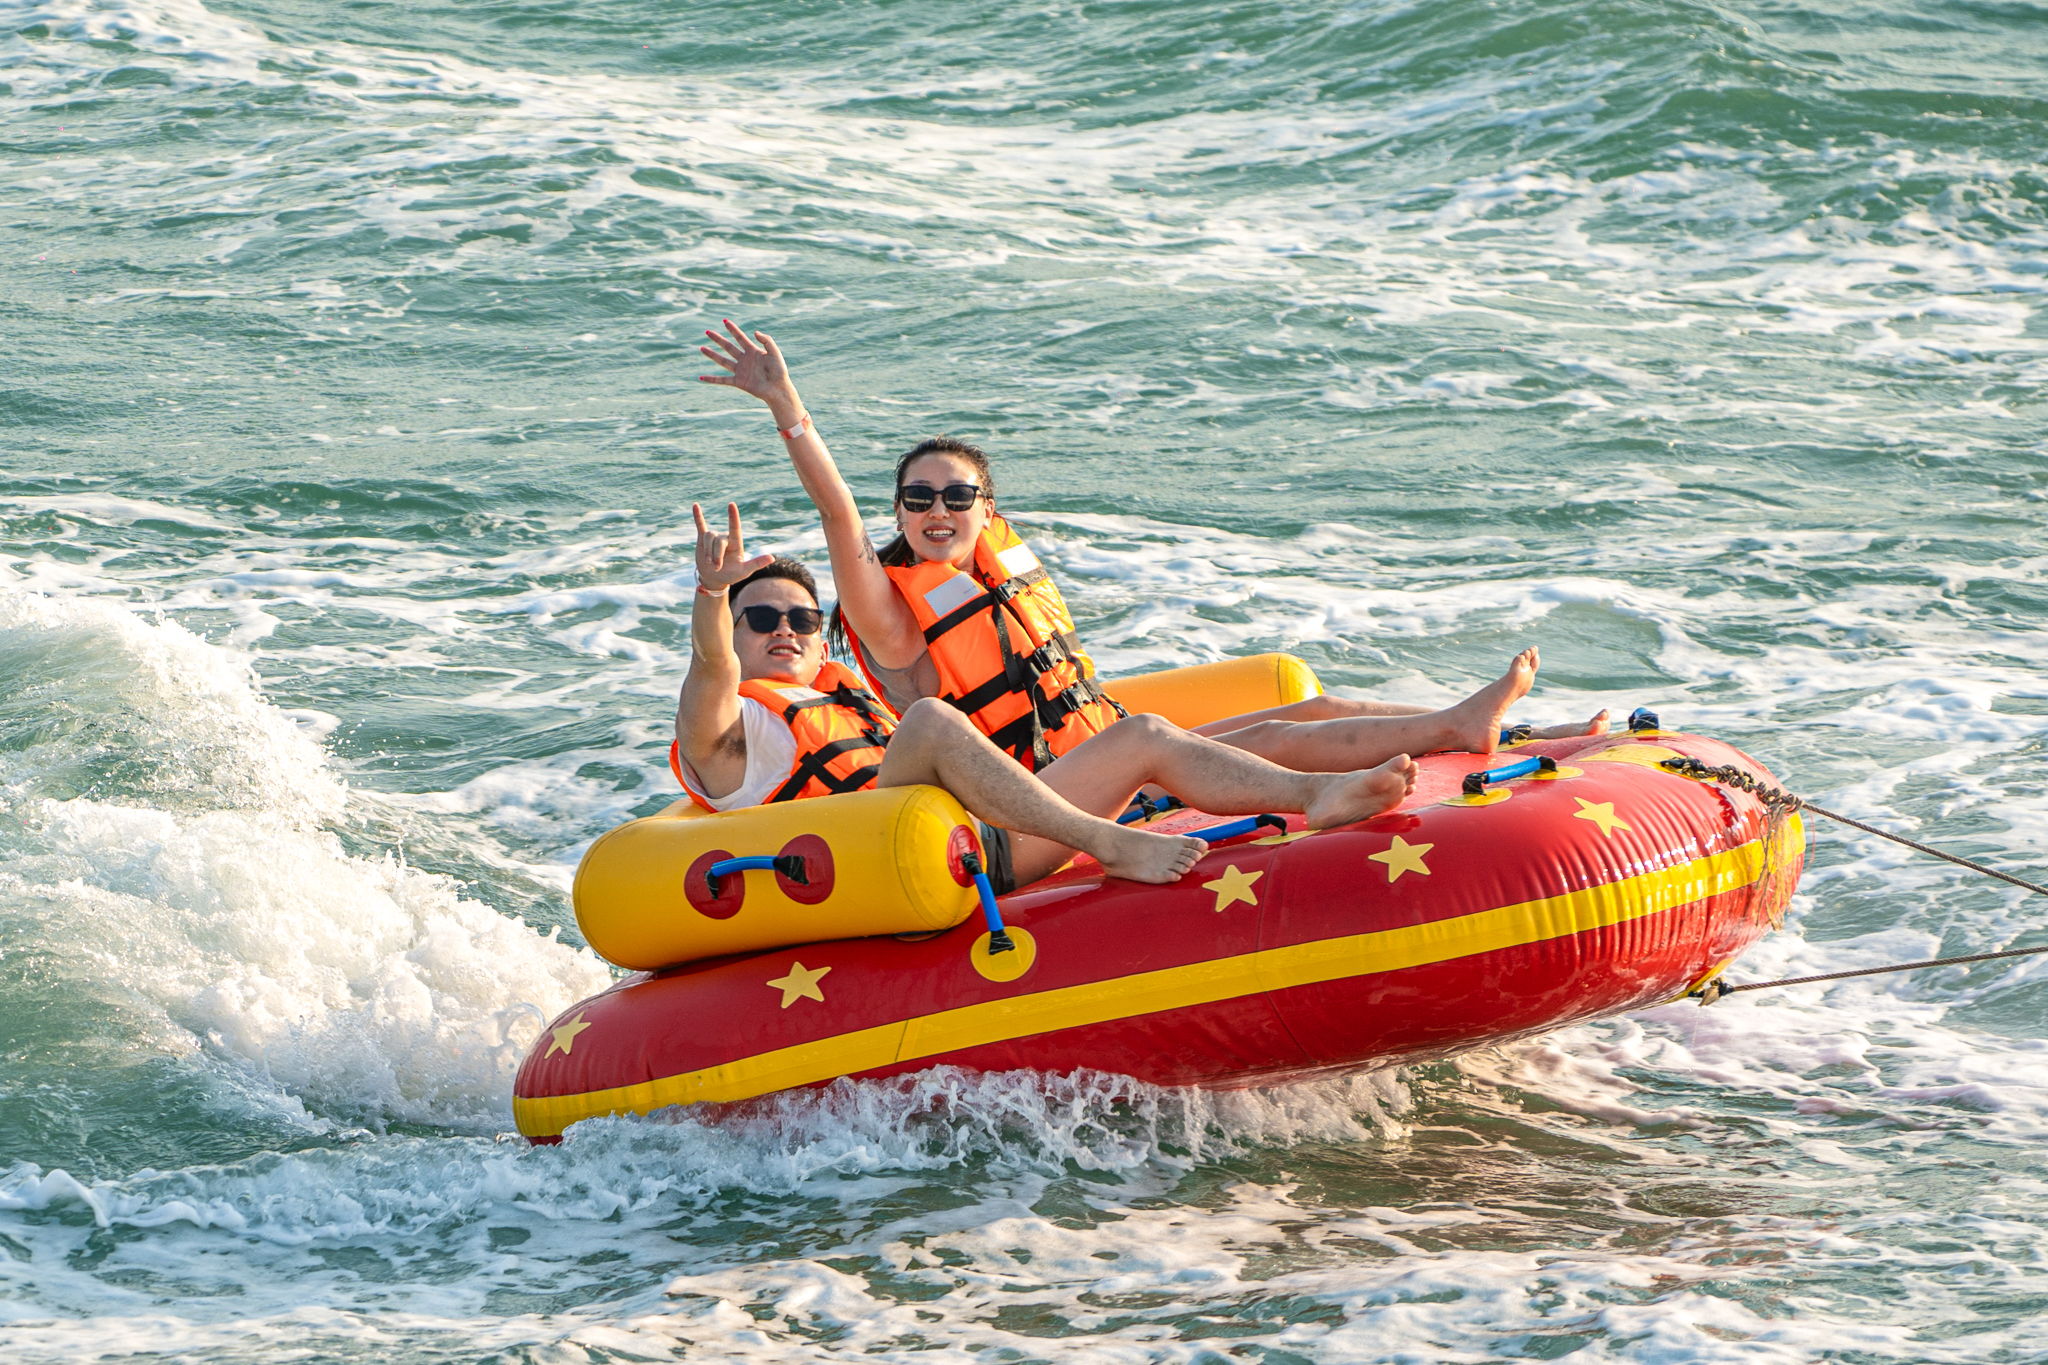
(1599, 883)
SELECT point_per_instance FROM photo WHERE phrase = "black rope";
(1721, 988)
(1775, 796)
(1779, 799)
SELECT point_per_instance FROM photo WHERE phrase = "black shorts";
(995, 849)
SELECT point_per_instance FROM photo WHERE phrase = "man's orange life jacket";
(840, 729)
(1003, 643)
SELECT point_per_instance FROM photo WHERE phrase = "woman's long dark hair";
(897, 554)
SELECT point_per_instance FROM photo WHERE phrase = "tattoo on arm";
(867, 549)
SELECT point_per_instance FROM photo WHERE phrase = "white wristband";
(802, 425)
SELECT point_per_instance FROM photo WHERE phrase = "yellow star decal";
(1600, 813)
(1402, 856)
(1233, 886)
(800, 984)
(565, 1036)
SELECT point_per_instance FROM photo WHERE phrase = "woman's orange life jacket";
(1004, 646)
(840, 728)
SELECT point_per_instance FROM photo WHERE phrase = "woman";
(956, 607)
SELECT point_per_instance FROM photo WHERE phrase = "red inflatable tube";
(1451, 923)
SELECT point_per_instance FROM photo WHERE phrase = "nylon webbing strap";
(1017, 583)
(812, 765)
(1023, 679)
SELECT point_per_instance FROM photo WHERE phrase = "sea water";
(351, 425)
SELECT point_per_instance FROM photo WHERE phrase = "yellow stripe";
(1198, 983)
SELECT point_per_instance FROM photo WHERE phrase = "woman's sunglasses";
(918, 497)
(802, 620)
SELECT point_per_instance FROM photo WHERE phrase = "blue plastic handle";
(999, 940)
(1140, 808)
(1476, 782)
(1520, 768)
(1216, 834)
(988, 903)
(762, 863)
(788, 865)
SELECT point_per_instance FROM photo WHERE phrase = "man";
(765, 716)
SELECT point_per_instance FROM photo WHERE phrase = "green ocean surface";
(349, 427)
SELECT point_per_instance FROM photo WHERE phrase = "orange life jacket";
(840, 729)
(1003, 643)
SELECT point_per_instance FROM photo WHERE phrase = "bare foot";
(1342, 798)
(1473, 725)
(1571, 730)
(1142, 856)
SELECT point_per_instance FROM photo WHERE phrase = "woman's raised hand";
(752, 364)
(722, 559)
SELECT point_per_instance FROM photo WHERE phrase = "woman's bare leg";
(1571, 729)
(1427, 731)
(1323, 707)
(938, 746)
(1472, 726)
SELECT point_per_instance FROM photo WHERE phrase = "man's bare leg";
(939, 746)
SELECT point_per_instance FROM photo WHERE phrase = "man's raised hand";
(722, 559)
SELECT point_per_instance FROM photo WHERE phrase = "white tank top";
(771, 753)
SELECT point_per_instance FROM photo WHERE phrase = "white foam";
(367, 991)
(112, 509)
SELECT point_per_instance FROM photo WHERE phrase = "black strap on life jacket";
(812, 765)
(874, 735)
(1023, 738)
(1021, 673)
(959, 616)
(1017, 583)
(1019, 677)
(856, 699)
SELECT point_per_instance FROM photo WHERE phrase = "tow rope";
(1777, 799)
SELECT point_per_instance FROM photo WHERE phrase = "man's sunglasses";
(918, 497)
(802, 620)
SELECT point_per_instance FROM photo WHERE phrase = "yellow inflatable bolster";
(1204, 692)
(872, 862)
